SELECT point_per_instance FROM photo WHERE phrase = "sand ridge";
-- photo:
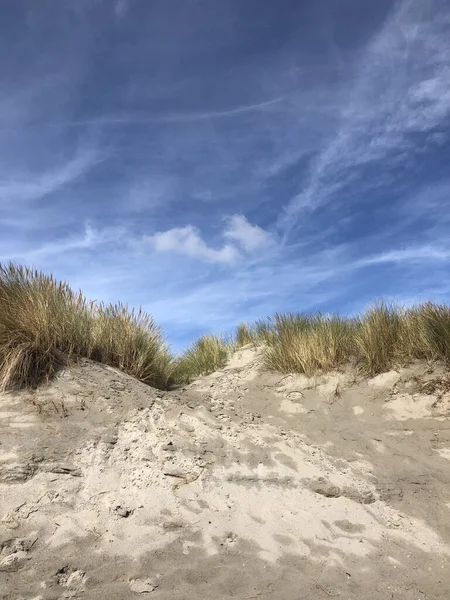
(242, 484)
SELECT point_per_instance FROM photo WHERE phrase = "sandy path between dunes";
(243, 485)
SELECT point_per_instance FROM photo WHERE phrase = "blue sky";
(220, 160)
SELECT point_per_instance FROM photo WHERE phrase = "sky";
(215, 161)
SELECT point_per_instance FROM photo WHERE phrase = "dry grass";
(427, 331)
(44, 324)
(245, 334)
(259, 333)
(381, 338)
(206, 355)
(304, 344)
(131, 341)
(377, 338)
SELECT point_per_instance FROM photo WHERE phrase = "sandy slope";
(242, 485)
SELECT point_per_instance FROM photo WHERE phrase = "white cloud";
(187, 240)
(250, 237)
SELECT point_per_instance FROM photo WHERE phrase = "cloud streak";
(415, 254)
(179, 117)
(30, 187)
(91, 239)
(401, 88)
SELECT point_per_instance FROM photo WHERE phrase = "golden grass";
(431, 336)
(258, 333)
(44, 324)
(377, 338)
(206, 355)
(383, 337)
(245, 335)
(131, 341)
(303, 344)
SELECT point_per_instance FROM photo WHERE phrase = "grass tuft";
(260, 332)
(304, 344)
(383, 337)
(130, 340)
(434, 326)
(205, 356)
(245, 334)
(377, 338)
(44, 324)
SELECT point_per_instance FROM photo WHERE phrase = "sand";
(244, 484)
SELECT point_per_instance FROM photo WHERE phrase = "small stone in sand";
(143, 586)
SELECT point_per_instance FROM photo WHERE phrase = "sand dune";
(244, 484)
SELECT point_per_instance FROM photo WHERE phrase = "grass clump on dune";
(41, 323)
(304, 344)
(245, 334)
(427, 331)
(377, 338)
(131, 341)
(44, 324)
(381, 338)
(258, 333)
(389, 336)
(205, 356)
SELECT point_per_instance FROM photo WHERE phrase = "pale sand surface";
(244, 484)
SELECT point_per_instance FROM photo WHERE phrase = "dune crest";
(242, 484)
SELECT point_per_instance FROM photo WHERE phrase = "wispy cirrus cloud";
(90, 239)
(400, 89)
(415, 254)
(27, 187)
(334, 281)
(178, 117)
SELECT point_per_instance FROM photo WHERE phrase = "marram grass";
(44, 324)
(381, 338)
(208, 354)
